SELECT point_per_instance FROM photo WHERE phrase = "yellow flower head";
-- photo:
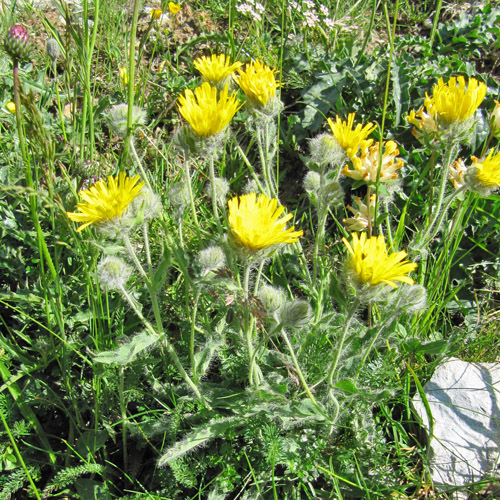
(366, 165)
(351, 140)
(207, 114)
(495, 120)
(174, 8)
(155, 13)
(362, 214)
(453, 102)
(124, 75)
(487, 171)
(256, 223)
(11, 107)
(371, 264)
(456, 173)
(216, 68)
(258, 83)
(105, 201)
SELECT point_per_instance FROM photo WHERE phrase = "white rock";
(464, 399)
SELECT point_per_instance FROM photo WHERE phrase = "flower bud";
(53, 49)
(117, 118)
(295, 314)
(495, 120)
(113, 272)
(326, 150)
(178, 195)
(147, 205)
(272, 298)
(17, 42)
(251, 187)
(211, 259)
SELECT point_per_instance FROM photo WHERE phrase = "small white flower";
(324, 10)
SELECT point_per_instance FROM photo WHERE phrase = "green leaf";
(437, 347)
(127, 352)
(347, 385)
(199, 437)
(203, 357)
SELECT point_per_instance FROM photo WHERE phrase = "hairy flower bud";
(272, 298)
(326, 151)
(53, 49)
(17, 42)
(296, 314)
(113, 272)
(117, 118)
(210, 259)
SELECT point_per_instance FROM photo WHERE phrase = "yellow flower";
(456, 173)
(366, 165)
(495, 120)
(487, 171)
(255, 222)
(371, 263)
(258, 83)
(362, 214)
(350, 139)
(11, 106)
(155, 13)
(216, 69)
(206, 114)
(124, 75)
(105, 201)
(452, 101)
(174, 8)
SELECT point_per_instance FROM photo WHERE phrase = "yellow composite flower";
(256, 224)
(124, 75)
(11, 107)
(366, 165)
(258, 83)
(454, 101)
(362, 214)
(155, 13)
(208, 114)
(105, 201)
(174, 8)
(487, 171)
(216, 68)
(371, 263)
(351, 139)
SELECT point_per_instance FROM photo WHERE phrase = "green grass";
(279, 378)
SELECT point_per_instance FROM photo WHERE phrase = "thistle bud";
(495, 120)
(53, 49)
(211, 259)
(325, 150)
(272, 298)
(178, 195)
(296, 314)
(113, 272)
(17, 42)
(117, 118)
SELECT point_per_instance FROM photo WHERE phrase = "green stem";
(166, 344)
(138, 162)
(131, 80)
(187, 180)
(250, 167)
(213, 191)
(123, 410)
(191, 337)
(343, 336)
(435, 22)
(300, 374)
(438, 215)
(254, 375)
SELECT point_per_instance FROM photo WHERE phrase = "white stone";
(464, 399)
